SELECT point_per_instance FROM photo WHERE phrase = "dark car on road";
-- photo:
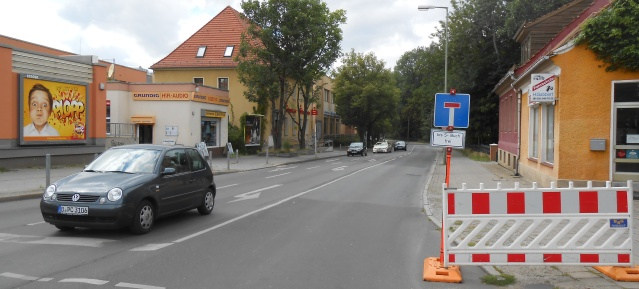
(356, 148)
(400, 145)
(131, 186)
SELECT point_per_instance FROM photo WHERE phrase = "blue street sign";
(452, 110)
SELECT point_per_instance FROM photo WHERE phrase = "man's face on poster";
(39, 108)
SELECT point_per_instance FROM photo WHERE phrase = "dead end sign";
(452, 110)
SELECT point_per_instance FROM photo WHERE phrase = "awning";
(143, 119)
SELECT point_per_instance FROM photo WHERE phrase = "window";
(196, 160)
(209, 131)
(533, 132)
(548, 133)
(327, 96)
(175, 159)
(229, 51)
(201, 51)
(198, 80)
(223, 83)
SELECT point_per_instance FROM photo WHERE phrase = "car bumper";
(103, 216)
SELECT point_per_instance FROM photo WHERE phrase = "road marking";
(313, 167)
(339, 168)
(223, 187)
(282, 169)
(331, 160)
(137, 286)
(75, 241)
(151, 247)
(84, 281)
(252, 194)
(19, 276)
(275, 176)
(238, 218)
(36, 223)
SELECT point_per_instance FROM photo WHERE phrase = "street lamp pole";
(428, 7)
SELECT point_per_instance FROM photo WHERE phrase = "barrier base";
(434, 272)
(629, 274)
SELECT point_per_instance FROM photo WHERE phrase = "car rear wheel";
(207, 203)
(143, 218)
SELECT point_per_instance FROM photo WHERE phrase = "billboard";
(52, 111)
(252, 130)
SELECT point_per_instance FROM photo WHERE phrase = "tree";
(366, 95)
(613, 35)
(289, 44)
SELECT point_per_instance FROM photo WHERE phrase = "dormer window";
(200, 51)
(229, 51)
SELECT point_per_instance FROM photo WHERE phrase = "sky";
(139, 33)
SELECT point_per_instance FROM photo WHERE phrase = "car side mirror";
(169, 171)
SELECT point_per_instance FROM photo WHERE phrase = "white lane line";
(224, 187)
(75, 241)
(313, 167)
(282, 169)
(331, 160)
(339, 168)
(151, 247)
(137, 286)
(84, 281)
(36, 223)
(45, 279)
(19, 276)
(273, 205)
(275, 176)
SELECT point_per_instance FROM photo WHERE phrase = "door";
(626, 132)
(146, 133)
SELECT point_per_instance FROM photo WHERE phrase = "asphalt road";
(348, 222)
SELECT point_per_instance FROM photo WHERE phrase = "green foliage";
(613, 35)
(366, 95)
(236, 138)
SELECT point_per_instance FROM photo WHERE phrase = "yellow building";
(563, 117)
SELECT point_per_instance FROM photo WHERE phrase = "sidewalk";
(472, 173)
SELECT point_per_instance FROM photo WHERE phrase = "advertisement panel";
(252, 130)
(52, 111)
(543, 88)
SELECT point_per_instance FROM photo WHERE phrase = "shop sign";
(543, 88)
(162, 95)
(214, 114)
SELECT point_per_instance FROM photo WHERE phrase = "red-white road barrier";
(538, 226)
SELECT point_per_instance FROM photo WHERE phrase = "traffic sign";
(452, 110)
(444, 138)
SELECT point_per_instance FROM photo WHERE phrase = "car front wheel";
(143, 218)
(207, 203)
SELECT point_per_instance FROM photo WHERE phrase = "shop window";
(548, 133)
(209, 132)
(533, 132)
(223, 83)
(198, 80)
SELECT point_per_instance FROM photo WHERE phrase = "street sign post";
(452, 110)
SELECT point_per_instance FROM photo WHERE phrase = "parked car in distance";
(356, 148)
(400, 145)
(131, 186)
(382, 147)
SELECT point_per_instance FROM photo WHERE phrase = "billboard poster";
(52, 111)
(252, 130)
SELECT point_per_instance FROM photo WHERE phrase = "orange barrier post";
(628, 274)
(433, 269)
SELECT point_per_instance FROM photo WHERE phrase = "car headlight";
(49, 193)
(114, 194)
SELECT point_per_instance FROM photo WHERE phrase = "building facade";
(563, 117)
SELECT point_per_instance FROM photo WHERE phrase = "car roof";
(150, 146)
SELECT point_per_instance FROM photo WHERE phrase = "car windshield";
(125, 161)
(380, 144)
(356, 145)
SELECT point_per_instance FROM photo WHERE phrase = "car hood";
(97, 182)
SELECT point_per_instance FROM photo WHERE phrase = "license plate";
(73, 210)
